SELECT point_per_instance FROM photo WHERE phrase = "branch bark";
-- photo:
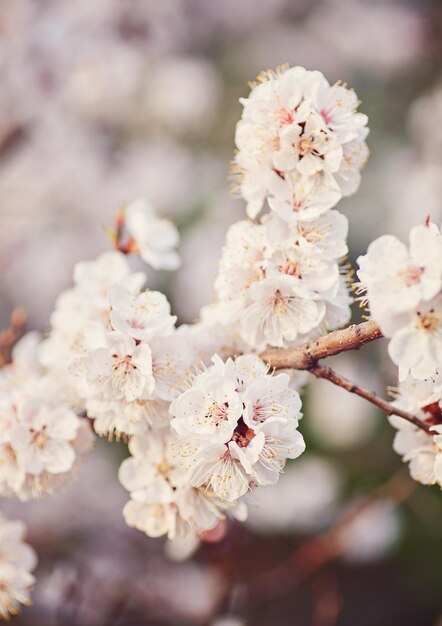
(306, 356)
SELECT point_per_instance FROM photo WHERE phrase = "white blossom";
(324, 237)
(163, 502)
(18, 560)
(416, 347)
(298, 197)
(294, 126)
(42, 438)
(307, 145)
(397, 279)
(279, 282)
(140, 315)
(155, 237)
(118, 368)
(210, 408)
(219, 468)
(312, 276)
(404, 291)
(278, 313)
(423, 452)
(235, 451)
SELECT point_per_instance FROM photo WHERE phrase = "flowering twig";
(305, 356)
(321, 371)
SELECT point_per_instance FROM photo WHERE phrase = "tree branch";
(315, 553)
(305, 356)
(326, 372)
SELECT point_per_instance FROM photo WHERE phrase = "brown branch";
(326, 372)
(320, 550)
(305, 356)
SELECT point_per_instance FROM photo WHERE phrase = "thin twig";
(305, 356)
(321, 371)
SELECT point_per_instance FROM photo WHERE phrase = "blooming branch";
(306, 357)
(205, 431)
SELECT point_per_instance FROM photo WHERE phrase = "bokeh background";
(103, 101)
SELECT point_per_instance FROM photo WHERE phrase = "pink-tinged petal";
(62, 424)
(30, 460)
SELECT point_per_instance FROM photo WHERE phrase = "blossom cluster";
(280, 283)
(116, 350)
(124, 362)
(111, 343)
(232, 430)
(237, 426)
(198, 439)
(162, 499)
(403, 287)
(117, 373)
(205, 420)
(87, 302)
(41, 438)
(18, 560)
(301, 143)
(404, 290)
(153, 237)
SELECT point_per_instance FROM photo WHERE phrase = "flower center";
(122, 369)
(163, 468)
(278, 302)
(413, 275)
(291, 268)
(217, 413)
(305, 145)
(243, 435)
(297, 204)
(135, 323)
(326, 116)
(285, 117)
(428, 321)
(122, 363)
(39, 439)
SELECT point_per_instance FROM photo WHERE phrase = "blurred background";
(103, 101)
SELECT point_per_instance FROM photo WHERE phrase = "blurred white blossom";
(372, 533)
(17, 562)
(305, 498)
